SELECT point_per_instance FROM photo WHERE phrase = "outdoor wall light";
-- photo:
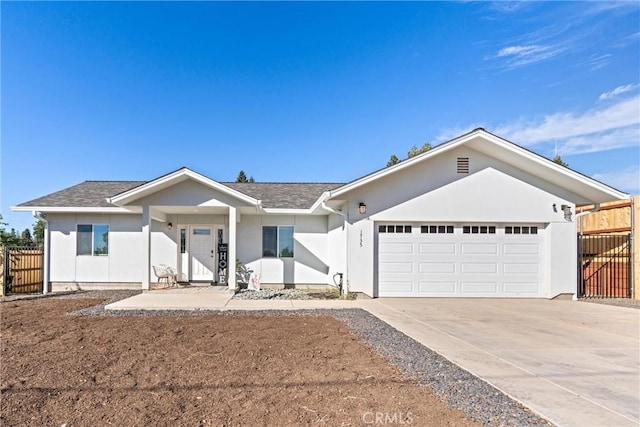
(170, 226)
(362, 208)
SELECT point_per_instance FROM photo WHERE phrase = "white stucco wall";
(492, 192)
(122, 265)
(310, 262)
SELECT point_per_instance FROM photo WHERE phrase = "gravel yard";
(228, 368)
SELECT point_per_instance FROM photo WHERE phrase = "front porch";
(197, 243)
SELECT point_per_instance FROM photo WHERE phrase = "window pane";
(433, 229)
(399, 228)
(492, 230)
(516, 230)
(441, 229)
(424, 229)
(382, 229)
(525, 230)
(483, 229)
(286, 242)
(84, 239)
(101, 239)
(407, 229)
(269, 241)
(474, 229)
(183, 240)
(466, 229)
(508, 230)
(534, 230)
(449, 229)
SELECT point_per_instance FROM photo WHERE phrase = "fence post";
(2, 254)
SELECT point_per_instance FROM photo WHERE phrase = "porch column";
(231, 275)
(146, 248)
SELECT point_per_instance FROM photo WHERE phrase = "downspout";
(345, 289)
(45, 262)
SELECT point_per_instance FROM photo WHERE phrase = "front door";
(202, 253)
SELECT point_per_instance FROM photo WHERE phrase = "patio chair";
(164, 272)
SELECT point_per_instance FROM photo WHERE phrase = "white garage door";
(460, 260)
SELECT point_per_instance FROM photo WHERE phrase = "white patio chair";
(173, 274)
(163, 274)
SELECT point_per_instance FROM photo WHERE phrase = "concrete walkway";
(215, 298)
(574, 363)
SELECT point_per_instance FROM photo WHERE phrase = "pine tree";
(557, 159)
(242, 177)
(393, 160)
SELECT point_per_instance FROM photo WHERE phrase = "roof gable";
(173, 178)
(586, 189)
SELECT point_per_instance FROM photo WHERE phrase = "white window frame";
(93, 237)
(278, 227)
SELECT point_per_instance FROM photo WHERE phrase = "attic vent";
(463, 165)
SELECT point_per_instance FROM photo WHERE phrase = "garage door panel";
(523, 288)
(437, 248)
(521, 248)
(520, 268)
(479, 267)
(461, 261)
(479, 287)
(396, 247)
(437, 287)
(396, 267)
(437, 267)
(405, 287)
(480, 248)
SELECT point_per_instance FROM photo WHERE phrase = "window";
(521, 230)
(92, 239)
(436, 229)
(277, 242)
(394, 229)
(183, 240)
(479, 229)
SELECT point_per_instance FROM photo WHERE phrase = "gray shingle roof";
(92, 194)
(283, 195)
(88, 194)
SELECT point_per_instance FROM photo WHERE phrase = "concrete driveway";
(574, 363)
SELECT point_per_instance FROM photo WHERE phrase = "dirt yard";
(60, 369)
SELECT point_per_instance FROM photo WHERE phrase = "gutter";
(45, 262)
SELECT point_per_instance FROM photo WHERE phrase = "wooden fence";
(22, 270)
(617, 269)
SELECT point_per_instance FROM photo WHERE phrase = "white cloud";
(571, 125)
(523, 55)
(617, 91)
(606, 127)
(627, 179)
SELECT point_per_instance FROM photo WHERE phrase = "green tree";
(251, 179)
(242, 177)
(393, 160)
(38, 232)
(414, 151)
(557, 159)
(26, 238)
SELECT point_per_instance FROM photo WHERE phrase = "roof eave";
(76, 209)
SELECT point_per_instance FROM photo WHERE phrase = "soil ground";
(57, 369)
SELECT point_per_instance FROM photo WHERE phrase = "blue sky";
(307, 91)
